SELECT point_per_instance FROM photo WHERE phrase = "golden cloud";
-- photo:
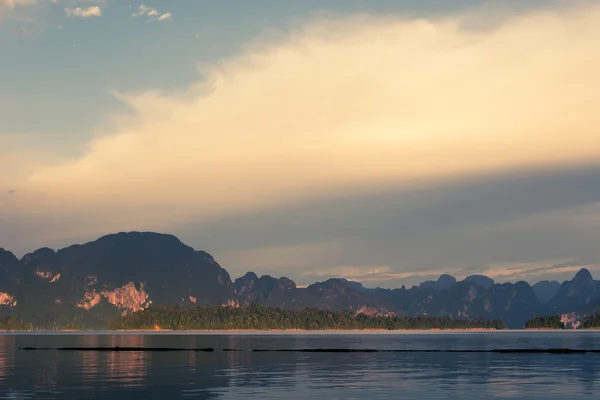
(13, 3)
(342, 106)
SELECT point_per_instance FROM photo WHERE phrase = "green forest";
(12, 324)
(545, 322)
(263, 318)
(593, 321)
(553, 322)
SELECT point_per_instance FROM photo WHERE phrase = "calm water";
(54, 374)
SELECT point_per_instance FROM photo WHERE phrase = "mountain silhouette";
(86, 285)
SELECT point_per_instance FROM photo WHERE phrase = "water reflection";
(5, 356)
(126, 369)
(245, 374)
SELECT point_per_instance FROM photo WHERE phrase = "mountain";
(9, 268)
(444, 282)
(333, 294)
(546, 290)
(266, 290)
(87, 285)
(513, 303)
(116, 274)
(577, 294)
(480, 280)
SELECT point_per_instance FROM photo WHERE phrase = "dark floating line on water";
(503, 351)
(333, 350)
(116, 349)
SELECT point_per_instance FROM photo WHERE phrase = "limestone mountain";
(577, 294)
(546, 290)
(9, 268)
(89, 284)
(480, 280)
(117, 273)
(444, 282)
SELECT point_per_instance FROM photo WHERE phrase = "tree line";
(554, 322)
(12, 324)
(592, 321)
(545, 322)
(266, 318)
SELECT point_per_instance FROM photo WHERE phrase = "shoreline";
(259, 331)
(548, 329)
(289, 332)
(159, 330)
(294, 331)
(303, 330)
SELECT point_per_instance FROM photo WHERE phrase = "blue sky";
(383, 141)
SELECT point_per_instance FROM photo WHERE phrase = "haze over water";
(55, 374)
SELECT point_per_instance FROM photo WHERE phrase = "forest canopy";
(545, 322)
(263, 318)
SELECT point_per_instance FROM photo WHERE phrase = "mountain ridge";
(88, 284)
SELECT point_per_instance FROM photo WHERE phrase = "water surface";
(55, 374)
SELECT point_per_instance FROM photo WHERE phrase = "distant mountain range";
(89, 284)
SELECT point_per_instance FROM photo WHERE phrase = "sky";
(385, 142)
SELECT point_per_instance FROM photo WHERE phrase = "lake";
(426, 373)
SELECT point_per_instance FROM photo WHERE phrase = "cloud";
(7, 7)
(280, 259)
(10, 4)
(343, 108)
(365, 274)
(93, 11)
(524, 221)
(336, 106)
(151, 13)
(165, 16)
(145, 11)
(504, 272)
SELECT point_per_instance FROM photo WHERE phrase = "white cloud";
(145, 11)
(93, 11)
(165, 16)
(348, 106)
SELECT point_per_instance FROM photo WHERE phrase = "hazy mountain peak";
(287, 282)
(545, 290)
(43, 253)
(480, 280)
(6, 257)
(139, 239)
(445, 281)
(134, 247)
(446, 277)
(583, 275)
(249, 276)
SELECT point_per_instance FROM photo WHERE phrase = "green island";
(554, 322)
(592, 321)
(264, 318)
(545, 322)
(255, 317)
